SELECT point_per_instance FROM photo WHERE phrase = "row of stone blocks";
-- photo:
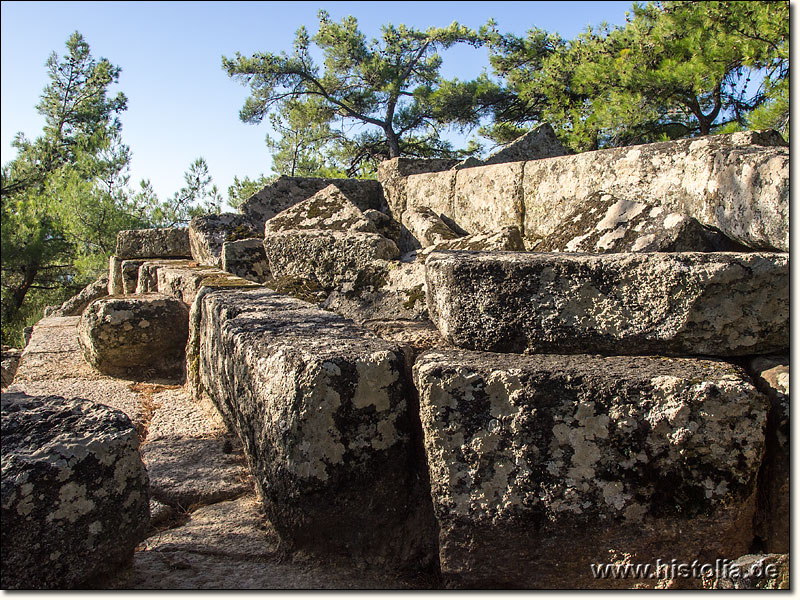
(520, 452)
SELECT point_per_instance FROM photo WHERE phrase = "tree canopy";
(675, 69)
(388, 85)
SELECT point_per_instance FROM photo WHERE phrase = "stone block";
(533, 145)
(330, 258)
(322, 410)
(115, 276)
(246, 259)
(74, 492)
(288, 191)
(329, 209)
(142, 337)
(489, 197)
(153, 243)
(716, 304)
(208, 233)
(605, 223)
(426, 226)
(737, 183)
(392, 175)
(431, 190)
(543, 465)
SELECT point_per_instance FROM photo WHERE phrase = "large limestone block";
(738, 183)
(135, 336)
(74, 306)
(606, 223)
(246, 259)
(323, 413)
(543, 465)
(329, 208)
(330, 258)
(716, 304)
(489, 197)
(431, 190)
(153, 243)
(208, 233)
(288, 191)
(74, 492)
(392, 177)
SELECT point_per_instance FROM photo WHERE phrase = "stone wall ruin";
(483, 375)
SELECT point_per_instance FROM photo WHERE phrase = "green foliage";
(63, 196)
(305, 138)
(242, 189)
(676, 69)
(199, 196)
(390, 89)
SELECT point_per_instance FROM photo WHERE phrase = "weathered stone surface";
(431, 190)
(148, 273)
(506, 239)
(208, 233)
(755, 572)
(426, 226)
(398, 292)
(74, 491)
(393, 230)
(606, 223)
(183, 279)
(181, 570)
(53, 353)
(233, 528)
(392, 177)
(288, 191)
(771, 376)
(331, 258)
(189, 470)
(329, 208)
(142, 336)
(190, 455)
(488, 198)
(129, 270)
(246, 259)
(74, 306)
(542, 465)
(321, 408)
(153, 243)
(730, 182)
(717, 304)
(535, 144)
(10, 358)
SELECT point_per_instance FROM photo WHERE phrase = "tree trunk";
(394, 143)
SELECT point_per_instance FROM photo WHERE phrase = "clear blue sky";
(181, 104)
